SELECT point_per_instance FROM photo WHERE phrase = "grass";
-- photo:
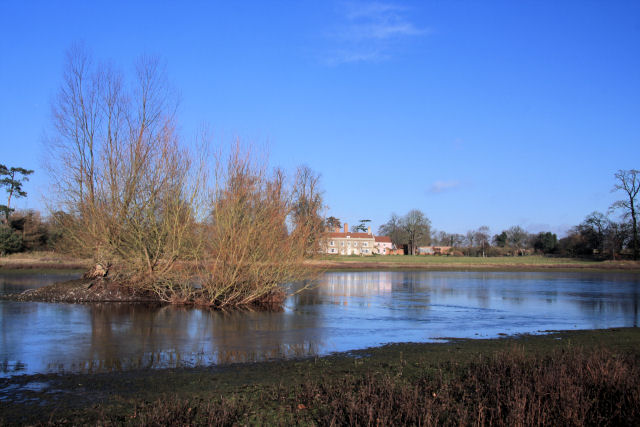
(529, 262)
(565, 378)
(520, 260)
(42, 260)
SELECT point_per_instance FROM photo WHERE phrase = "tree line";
(600, 235)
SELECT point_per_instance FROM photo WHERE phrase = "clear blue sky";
(478, 113)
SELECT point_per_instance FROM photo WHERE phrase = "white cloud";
(369, 32)
(442, 186)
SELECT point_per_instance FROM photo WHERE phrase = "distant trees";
(443, 238)
(27, 231)
(332, 223)
(482, 236)
(598, 235)
(500, 240)
(393, 229)
(545, 242)
(308, 205)
(412, 229)
(12, 228)
(10, 241)
(12, 179)
(363, 227)
(417, 228)
(628, 181)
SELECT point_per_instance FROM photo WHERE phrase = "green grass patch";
(438, 259)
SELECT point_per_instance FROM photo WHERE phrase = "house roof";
(383, 239)
(350, 235)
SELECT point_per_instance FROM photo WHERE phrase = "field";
(529, 262)
(43, 261)
(565, 378)
(49, 260)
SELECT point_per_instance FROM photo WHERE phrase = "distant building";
(347, 243)
(384, 246)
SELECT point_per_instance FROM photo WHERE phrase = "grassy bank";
(583, 377)
(43, 261)
(524, 263)
(52, 260)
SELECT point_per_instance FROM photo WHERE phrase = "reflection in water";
(16, 281)
(346, 310)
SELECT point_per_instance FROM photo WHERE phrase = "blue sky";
(478, 113)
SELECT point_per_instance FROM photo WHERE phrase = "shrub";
(10, 241)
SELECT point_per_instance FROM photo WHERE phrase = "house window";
(342, 243)
(333, 251)
(355, 244)
(365, 244)
(366, 251)
(331, 243)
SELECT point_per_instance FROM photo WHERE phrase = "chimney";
(336, 229)
(346, 227)
(369, 229)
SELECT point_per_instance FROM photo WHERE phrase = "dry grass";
(509, 388)
(43, 260)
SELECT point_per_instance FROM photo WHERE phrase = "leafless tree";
(393, 229)
(482, 236)
(118, 168)
(308, 206)
(130, 194)
(417, 227)
(517, 238)
(629, 183)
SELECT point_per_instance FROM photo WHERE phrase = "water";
(345, 311)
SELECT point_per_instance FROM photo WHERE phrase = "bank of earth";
(578, 377)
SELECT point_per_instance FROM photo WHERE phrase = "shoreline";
(43, 261)
(595, 266)
(104, 290)
(120, 396)
(53, 261)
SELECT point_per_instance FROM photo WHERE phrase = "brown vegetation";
(132, 197)
(563, 387)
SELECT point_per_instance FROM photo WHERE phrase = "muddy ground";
(269, 391)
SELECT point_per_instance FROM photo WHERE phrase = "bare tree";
(629, 182)
(307, 208)
(482, 236)
(128, 193)
(249, 251)
(517, 238)
(417, 228)
(393, 229)
(470, 238)
(118, 168)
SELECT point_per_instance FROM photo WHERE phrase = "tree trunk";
(635, 228)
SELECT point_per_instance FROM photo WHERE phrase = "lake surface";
(345, 311)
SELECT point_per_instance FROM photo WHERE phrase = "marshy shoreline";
(397, 383)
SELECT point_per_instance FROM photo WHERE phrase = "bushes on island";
(155, 214)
